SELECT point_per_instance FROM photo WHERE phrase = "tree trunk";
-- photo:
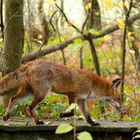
(95, 15)
(1, 17)
(62, 18)
(94, 20)
(44, 22)
(13, 36)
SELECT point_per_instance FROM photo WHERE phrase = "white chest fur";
(93, 95)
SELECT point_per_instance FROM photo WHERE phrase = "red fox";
(39, 77)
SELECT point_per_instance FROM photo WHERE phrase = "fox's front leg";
(71, 99)
(12, 101)
(82, 107)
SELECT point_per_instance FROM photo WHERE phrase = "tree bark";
(95, 15)
(94, 55)
(1, 18)
(44, 22)
(13, 36)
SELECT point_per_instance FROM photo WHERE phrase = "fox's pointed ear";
(116, 82)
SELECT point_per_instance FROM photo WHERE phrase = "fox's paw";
(66, 114)
(39, 122)
(92, 123)
(6, 117)
(96, 124)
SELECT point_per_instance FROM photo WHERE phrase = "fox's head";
(115, 99)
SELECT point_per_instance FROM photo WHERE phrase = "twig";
(115, 26)
(51, 20)
(94, 54)
(84, 24)
(60, 40)
(74, 124)
(81, 57)
(67, 20)
(51, 49)
(130, 97)
(124, 46)
(63, 56)
(43, 43)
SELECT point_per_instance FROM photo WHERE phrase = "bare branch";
(115, 27)
(52, 19)
(84, 24)
(60, 46)
(47, 50)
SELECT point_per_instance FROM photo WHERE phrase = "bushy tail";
(8, 82)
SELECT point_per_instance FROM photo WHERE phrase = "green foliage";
(25, 47)
(71, 107)
(2, 110)
(17, 110)
(19, 107)
(54, 40)
(84, 136)
(127, 89)
(137, 118)
(50, 107)
(52, 110)
(93, 31)
(1, 44)
(136, 135)
(63, 128)
(76, 45)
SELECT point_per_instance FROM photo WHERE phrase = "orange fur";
(39, 77)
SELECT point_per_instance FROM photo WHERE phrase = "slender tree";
(44, 22)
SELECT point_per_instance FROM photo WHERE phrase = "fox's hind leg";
(20, 93)
(39, 95)
(71, 99)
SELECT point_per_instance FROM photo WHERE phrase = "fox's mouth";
(116, 105)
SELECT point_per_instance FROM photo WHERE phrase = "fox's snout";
(117, 105)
